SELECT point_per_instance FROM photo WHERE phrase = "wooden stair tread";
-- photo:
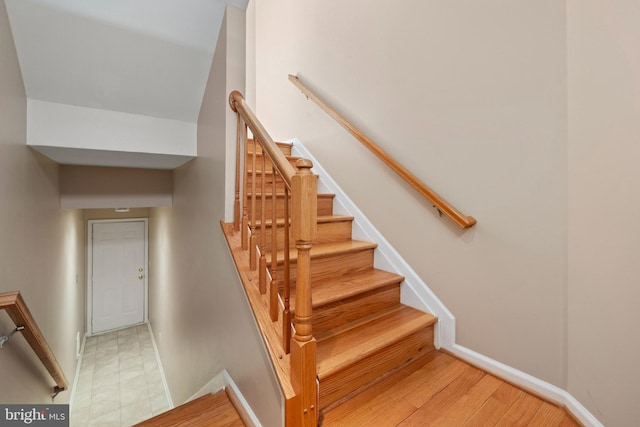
(321, 219)
(280, 195)
(208, 410)
(322, 250)
(337, 351)
(328, 291)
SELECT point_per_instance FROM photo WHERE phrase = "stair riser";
(285, 148)
(268, 183)
(268, 166)
(340, 384)
(327, 232)
(334, 266)
(325, 206)
(344, 311)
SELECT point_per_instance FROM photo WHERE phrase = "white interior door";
(118, 274)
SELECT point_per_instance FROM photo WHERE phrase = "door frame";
(89, 287)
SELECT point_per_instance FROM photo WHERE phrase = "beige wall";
(604, 206)
(471, 97)
(198, 311)
(41, 246)
(91, 187)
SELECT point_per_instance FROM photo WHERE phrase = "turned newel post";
(303, 346)
(303, 226)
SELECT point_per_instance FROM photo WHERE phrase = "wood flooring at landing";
(440, 390)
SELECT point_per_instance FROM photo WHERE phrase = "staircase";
(363, 332)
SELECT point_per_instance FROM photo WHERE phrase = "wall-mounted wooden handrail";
(439, 203)
(14, 305)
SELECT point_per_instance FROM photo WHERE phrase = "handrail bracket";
(56, 391)
(6, 338)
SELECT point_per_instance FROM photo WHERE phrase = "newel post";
(303, 345)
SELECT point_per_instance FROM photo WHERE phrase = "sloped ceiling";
(147, 57)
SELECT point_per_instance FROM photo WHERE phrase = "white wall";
(67, 133)
(471, 97)
(200, 316)
(604, 206)
(41, 246)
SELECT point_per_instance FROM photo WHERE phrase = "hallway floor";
(120, 382)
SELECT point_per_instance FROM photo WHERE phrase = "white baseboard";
(74, 386)
(242, 406)
(164, 378)
(528, 382)
(416, 293)
(216, 384)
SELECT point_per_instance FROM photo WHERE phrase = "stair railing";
(464, 221)
(298, 209)
(16, 308)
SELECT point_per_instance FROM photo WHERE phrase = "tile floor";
(120, 382)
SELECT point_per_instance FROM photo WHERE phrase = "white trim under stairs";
(223, 381)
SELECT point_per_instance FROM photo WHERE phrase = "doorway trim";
(89, 286)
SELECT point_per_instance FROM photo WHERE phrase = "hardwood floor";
(440, 390)
(211, 410)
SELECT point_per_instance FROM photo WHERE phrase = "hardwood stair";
(363, 331)
(373, 357)
(325, 204)
(331, 228)
(210, 410)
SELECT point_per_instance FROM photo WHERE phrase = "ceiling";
(149, 57)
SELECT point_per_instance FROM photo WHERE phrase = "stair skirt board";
(223, 381)
(415, 293)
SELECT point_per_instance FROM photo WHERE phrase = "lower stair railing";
(16, 308)
(272, 190)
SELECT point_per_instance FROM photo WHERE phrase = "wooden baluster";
(236, 201)
(253, 238)
(262, 273)
(303, 344)
(286, 270)
(273, 288)
(244, 237)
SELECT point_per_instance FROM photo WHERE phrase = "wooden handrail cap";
(233, 97)
(304, 164)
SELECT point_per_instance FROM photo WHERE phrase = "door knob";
(140, 276)
(140, 269)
